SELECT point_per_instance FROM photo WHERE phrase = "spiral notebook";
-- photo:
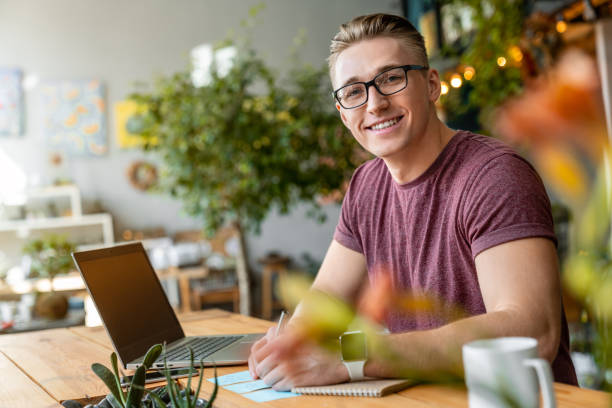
(367, 388)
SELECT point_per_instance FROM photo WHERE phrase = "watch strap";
(355, 369)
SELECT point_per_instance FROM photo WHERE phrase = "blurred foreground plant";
(560, 120)
(323, 318)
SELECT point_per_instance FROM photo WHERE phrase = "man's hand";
(286, 361)
(258, 346)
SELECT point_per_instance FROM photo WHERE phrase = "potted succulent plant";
(136, 396)
(50, 256)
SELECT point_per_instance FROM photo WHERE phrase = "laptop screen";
(129, 298)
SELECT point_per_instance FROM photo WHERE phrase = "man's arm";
(519, 282)
(342, 275)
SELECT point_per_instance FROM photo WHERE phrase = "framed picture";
(74, 117)
(11, 102)
(129, 123)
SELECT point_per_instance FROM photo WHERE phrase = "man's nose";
(376, 101)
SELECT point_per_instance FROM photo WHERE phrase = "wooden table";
(42, 369)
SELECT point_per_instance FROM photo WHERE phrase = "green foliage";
(50, 255)
(185, 400)
(498, 26)
(132, 398)
(248, 141)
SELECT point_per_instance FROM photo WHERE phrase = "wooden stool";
(272, 265)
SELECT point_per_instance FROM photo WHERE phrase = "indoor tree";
(247, 142)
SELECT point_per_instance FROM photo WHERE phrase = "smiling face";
(387, 126)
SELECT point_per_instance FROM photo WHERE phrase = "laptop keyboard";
(202, 347)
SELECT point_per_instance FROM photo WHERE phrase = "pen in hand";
(279, 325)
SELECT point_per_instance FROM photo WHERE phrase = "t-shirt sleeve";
(346, 230)
(506, 201)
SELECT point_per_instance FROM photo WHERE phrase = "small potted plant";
(50, 256)
(168, 396)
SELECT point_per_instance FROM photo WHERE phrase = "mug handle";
(542, 368)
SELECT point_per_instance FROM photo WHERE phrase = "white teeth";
(386, 124)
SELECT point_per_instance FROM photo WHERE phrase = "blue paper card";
(269, 395)
(234, 378)
(241, 388)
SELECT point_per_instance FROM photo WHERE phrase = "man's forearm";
(430, 352)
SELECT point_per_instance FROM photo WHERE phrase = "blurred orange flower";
(564, 106)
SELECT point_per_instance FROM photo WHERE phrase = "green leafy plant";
(497, 30)
(185, 401)
(247, 142)
(50, 256)
(132, 397)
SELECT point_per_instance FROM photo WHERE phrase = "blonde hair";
(377, 25)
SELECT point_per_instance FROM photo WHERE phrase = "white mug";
(502, 373)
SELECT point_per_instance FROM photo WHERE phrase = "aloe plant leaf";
(170, 385)
(175, 394)
(213, 396)
(158, 401)
(109, 379)
(113, 401)
(188, 396)
(135, 394)
(197, 393)
(117, 378)
(152, 354)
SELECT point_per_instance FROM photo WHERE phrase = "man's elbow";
(548, 342)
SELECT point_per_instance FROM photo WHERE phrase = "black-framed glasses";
(388, 82)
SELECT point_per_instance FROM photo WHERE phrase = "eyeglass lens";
(387, 83)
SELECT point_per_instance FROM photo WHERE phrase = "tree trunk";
(242, 272)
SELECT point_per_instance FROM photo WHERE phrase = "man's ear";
(342, 115)
(433, 85)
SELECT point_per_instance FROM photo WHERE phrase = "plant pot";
(52, 306)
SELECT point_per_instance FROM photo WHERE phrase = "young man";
(446, 213)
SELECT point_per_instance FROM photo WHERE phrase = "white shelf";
(23, 227)
(82, 230)
(72, 192)
(69, 282)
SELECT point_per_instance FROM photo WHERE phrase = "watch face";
(353, 346)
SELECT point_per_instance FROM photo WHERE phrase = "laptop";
(136, 312)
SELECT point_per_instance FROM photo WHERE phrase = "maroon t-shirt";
(478, 193)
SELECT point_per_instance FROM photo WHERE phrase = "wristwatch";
(354, 353)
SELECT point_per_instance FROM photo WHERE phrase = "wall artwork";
(11, 102)
(74, 117)
(129, 121)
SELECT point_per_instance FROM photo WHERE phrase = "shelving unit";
(86, 230)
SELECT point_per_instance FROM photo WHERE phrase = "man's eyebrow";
(354, 79)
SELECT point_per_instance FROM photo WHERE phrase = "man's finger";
(252, 367)
(284, 384)
(274, 376)
(265, 365)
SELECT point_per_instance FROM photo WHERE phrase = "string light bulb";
(468, 73)
(456, 81)
(516, 53)
(561, 26)
(443, 87)
(501, 61)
